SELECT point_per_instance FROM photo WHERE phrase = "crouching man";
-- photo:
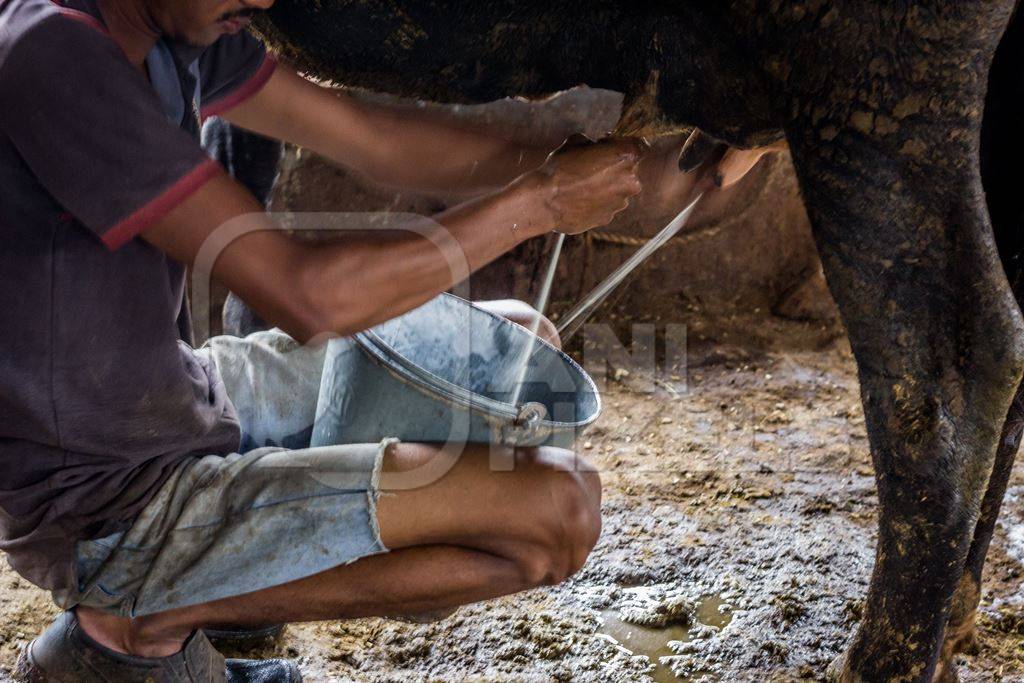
(157, 489)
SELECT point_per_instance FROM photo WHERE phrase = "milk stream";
(579, 315)
(574, 320)
(541, 306)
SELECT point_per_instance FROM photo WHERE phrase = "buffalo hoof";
(960, 638)
(961, 629)
(839, 672)
(945, 672)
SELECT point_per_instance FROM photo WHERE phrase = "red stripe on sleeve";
(83, 17)
(129, 228)
(244, 91)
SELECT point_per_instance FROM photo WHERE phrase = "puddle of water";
(652, 643)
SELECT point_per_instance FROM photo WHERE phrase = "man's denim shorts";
(226, 526)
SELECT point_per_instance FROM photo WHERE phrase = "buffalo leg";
(960, 630)
(1001, 149)
(937, 338)
(891, 181)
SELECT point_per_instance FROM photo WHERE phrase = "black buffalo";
(895, 112)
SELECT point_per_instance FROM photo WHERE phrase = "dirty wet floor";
(739, 517)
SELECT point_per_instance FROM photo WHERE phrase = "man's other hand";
(585, 187)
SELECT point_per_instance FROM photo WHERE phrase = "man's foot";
(64, 653)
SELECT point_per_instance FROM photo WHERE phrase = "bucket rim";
(436, 386)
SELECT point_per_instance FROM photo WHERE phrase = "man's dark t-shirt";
(100, 398)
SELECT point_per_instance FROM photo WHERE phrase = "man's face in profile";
(202, 22)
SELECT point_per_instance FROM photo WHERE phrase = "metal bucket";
(445, 373)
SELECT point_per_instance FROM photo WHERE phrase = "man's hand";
(586, 187)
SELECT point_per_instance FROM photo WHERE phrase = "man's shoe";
(66, 654)
(235, 640)
(262, 671)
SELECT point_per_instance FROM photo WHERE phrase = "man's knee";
(568, 529)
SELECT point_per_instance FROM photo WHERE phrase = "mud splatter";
(660, 624)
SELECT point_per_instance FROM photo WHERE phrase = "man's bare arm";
(388, 145)
(365, 279)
